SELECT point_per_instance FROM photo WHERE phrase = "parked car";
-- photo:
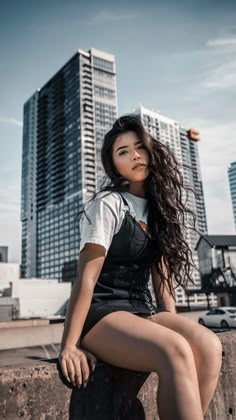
(222, 316)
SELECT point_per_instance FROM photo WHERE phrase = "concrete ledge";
(35, 391)
(21, 323)
(28, 336)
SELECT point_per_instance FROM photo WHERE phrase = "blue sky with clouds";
(175, 56)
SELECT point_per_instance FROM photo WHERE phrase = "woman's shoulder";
(111, 199)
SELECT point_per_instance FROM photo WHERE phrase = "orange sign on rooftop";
(193, 134)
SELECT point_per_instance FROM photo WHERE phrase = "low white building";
(27, 298)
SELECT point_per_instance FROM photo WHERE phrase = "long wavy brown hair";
(168, 216)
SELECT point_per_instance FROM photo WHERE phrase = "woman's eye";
(125, 151)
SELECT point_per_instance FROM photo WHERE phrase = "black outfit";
(123, 282)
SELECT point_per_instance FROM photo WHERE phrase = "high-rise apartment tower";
(184, 144)
(64, 124)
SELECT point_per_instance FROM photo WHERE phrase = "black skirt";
(100, 309)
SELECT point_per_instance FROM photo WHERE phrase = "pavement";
(26, 355)
(194, 315)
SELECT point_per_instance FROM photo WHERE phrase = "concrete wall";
(35, 392)
(41, 297)
(29, 333)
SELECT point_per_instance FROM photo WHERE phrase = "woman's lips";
(139, 167)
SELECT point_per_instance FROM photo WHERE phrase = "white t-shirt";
(106, 213)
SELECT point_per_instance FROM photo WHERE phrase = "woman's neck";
(137, 189)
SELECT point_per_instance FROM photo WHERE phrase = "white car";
(222, 316)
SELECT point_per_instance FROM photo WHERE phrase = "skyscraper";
(64, 124)
(184, 144)
(232, 186)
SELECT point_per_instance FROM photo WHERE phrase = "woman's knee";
(178, 353)
(214, 344)
(209, 345)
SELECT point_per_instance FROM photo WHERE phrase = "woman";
(134, 227)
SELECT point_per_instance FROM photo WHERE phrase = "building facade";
(232, 186)
(64, 123)
(184, 144)
(217, 263)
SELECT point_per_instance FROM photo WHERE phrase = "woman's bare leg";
(128, 341)
(206, 348)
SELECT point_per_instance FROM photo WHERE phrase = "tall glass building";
(184, 144)
(64, 124)
(232, 186)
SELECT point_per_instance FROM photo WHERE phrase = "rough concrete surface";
(35, 391)
(223, 404)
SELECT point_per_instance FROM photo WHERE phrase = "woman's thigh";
(193, 332)
(129, 341)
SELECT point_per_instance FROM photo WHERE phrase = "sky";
(178, 57)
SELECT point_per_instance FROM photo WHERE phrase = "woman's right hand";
(75, 363)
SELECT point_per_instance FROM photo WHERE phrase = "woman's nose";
(136, 155)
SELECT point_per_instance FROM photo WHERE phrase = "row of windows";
(56, 217)
(99, 74)
(61, 210)
(104, 92)
(55, 260)
(55, 231)
(44, 248)
(63, 231)
(59, 259)
(55, 251)
(103, 107)
(104, 64)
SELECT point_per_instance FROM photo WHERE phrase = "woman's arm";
(72, 360)
(163, 297)
(89, 267)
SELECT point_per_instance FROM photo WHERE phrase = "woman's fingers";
(84, 369)
(71, 371)
(64, 368)
(78, 372)
(91, 359)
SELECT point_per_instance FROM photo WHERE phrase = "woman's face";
(128, 152)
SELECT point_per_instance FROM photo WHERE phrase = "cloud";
(221, 42)
(10, 224)
(9, 198)
(222, 77)
(222, 74)
(217, 150)
(10, 228)
(108, 17)
(220, 215)
(11, 121)
(9, 208)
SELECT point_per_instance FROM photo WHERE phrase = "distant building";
(184, 144)
(232, 186)
(64, 125)
(27, 298)
(217, 263)
(3, 254)
(9, 299)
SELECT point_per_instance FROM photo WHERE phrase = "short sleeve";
(103, 224)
